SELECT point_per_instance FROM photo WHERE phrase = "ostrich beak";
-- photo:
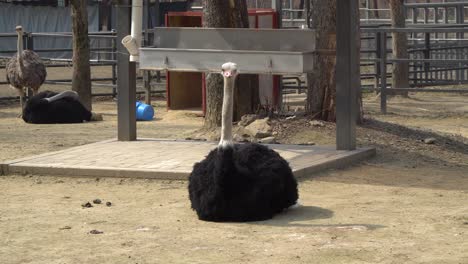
(227, 74)
(19, 28)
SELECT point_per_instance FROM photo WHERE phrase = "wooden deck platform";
(165, 159)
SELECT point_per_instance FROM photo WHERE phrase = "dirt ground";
(409, 204)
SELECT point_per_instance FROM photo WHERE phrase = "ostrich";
(240, 182)
(51, 108)
(25, 69)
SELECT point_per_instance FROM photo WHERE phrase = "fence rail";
(110, 51)
(426, 67)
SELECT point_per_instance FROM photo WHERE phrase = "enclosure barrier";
(383, 60)
(109, 52)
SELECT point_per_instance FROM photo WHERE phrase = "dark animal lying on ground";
(241, 182)
(53, 108)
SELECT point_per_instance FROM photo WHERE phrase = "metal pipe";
(132, 42)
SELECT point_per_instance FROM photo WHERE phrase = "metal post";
(415, 21)
(367, 10)
(278, 6)
(147, 86)
(347, 79)
(307, 11)
(146, 42)
(377, 63)
(126, 82)
(460, 35)
(29, 46)
(383, 73)
(427, 55)
(114, 66)
(157, 14)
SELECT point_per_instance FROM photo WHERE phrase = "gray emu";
(25, 69)
(240, 182)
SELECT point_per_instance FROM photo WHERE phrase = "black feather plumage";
(66, 110)
(239, 183)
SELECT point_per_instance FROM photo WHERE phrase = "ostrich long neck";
(70, 94)
(228, 105)
(19, 53)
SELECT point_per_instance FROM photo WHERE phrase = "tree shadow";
(452, 143)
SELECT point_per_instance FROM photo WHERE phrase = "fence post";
(383, 73)
(29, 46)
(114, 68)
(427, 54)
(348, 82)
(460, 18)
(147, 86)
(377, 63)
(277, 5)
(126, 82)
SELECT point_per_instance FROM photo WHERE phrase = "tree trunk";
(321, 92)
(81, 80)
(228, 14)
(400, 70)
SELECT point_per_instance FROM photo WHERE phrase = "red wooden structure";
(186, 90)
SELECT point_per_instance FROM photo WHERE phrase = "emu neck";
(227, 111)
(19, 53)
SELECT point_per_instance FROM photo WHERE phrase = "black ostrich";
(240, 182)
(53, 108)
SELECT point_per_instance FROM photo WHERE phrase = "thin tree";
(228, 14)
(400, 70)
(321, 92)
(81, 80)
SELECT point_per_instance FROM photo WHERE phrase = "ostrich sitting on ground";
(25, 69)
(53, 108)
(240, 182)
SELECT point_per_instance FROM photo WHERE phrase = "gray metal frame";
(254, 50)
(382, 61)
(126, 83)
(347, 79)
(267, 61)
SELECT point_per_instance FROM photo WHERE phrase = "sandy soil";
(409, 204)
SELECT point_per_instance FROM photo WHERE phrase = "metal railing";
(104, 56)
(381, 63)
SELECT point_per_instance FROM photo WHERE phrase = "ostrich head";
(229, 71)
(19, 29)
